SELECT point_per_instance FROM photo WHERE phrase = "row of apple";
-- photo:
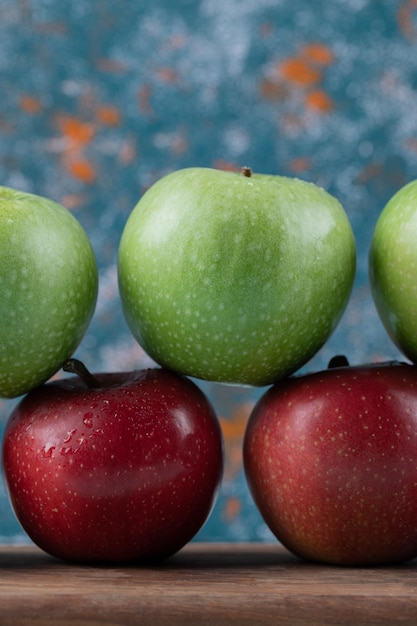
(231, 277)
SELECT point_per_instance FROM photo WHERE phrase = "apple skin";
(127, 471)
(48, 289)
(235, 278)
(393, 268)
(331, 461)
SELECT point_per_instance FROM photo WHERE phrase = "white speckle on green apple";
(235, 278)
(48, 289)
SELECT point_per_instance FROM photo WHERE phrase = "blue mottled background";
(99, 99)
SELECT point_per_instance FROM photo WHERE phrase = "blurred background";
(99, 99)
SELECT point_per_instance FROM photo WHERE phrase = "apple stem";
(246, 171)
(74, 366)
(338, 361)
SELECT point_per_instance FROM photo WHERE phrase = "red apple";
(123, 468)
(331, 462)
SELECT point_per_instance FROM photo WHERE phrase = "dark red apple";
(123, 468)
(331, 462)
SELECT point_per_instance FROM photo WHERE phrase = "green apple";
(393, 268)
(235, 277)
(48, 289)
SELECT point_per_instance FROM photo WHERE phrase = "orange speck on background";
(405, 20)
(128, 152)
(77, 131)
(298, 72)
(177, 41)
(83, 170)
(293, 123)
(231, 509)
(266, 29)
(51, 27)
(30, 104)
(179, 144)
(72, 201)
(112, 66)
(300, 164)
(370, 171)
(319, 101)
(273, 90)
(108, 115)
(411, 143)
(233, 430)
(167, 74)
(144, 99)
(226, 166)
(318, 53)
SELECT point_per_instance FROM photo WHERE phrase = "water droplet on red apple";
(88, 420)
(69, 435)
(47, 450)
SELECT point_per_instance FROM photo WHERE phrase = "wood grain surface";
(245, 584)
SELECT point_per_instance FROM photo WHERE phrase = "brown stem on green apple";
(74, 366)
(246, 171)
(339, 360)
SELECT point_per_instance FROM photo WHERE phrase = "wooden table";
(245, 584)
